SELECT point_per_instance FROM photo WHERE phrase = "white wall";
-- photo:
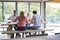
(26, 0)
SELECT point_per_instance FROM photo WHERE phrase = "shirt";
(36, 19)
(28, 19)
(13, 17)
(21, 23)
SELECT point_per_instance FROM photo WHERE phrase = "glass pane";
(22, 6)
(53, 12)
(0, 11)
(53, 16)
(8, 9)
(35, 6)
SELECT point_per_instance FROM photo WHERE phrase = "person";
(29, 20)
(28, 17)
(36, 22)
(13, 17)
(22, 20)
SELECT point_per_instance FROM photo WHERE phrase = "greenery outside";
(52, 10)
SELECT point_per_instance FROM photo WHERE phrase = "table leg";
(12, 35)
(10, 29)
(43, 32)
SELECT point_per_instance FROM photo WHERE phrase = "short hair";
(14, 10)
(34, 12)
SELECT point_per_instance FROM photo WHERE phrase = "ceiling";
(58, 1)
(26, 0)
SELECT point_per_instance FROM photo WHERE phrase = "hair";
(14, 11)
(34, 12)
(22, 15)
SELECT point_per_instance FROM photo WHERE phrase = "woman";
(28, 19)
(21, 22)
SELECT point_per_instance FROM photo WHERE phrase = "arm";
(16, 20)
(42, 21)
(32, 20)
(9, 18)
(26, 20)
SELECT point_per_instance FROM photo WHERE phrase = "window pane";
(8, 9)
(53, 12)
(35, 6)
(22, 6)
(0, 11)
(53, 16)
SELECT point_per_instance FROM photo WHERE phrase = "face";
(14, 13)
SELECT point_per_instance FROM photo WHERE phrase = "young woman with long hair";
(22, 20)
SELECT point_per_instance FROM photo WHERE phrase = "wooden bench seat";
(4, 32)
(11, 32)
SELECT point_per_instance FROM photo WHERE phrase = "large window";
(8, 9)
(0, 11)
(23, 6)
(53, 16)
(53, 12)
(34, 6)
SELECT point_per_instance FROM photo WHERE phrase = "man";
(13, 17)
(36, 22)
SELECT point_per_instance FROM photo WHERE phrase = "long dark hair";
(22, 17)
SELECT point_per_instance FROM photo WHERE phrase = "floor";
(51, 37)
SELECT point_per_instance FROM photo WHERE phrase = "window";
(9, 7)
(22, 6)
(53, 12)
(53, 16)
(35, 6)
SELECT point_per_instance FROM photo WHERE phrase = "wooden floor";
(50, 37)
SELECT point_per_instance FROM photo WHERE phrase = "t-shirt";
(21, 23)
(13, 17)
(36, 19)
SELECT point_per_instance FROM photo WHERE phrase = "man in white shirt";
(13, 17)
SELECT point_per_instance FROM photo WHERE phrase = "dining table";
(10, 26)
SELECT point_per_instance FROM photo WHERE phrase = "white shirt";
(13, 17)
(36, 19)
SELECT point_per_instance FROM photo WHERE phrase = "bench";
(3, 27)
(12, 32)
